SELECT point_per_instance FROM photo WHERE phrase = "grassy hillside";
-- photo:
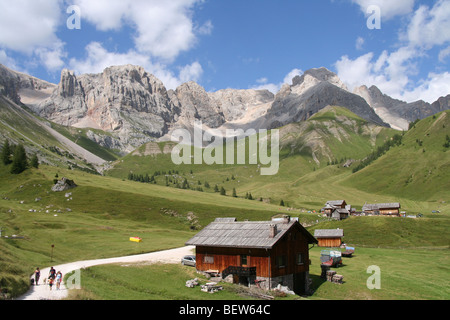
(98, 217)
(310, 152)
(21, 126)
(417, 169)
(79, 136)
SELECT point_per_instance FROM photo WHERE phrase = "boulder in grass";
(63, 185)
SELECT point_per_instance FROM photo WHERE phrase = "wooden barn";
(331, 238)
(337, 209)
(384, 209)
(266, 253)
(330, 206)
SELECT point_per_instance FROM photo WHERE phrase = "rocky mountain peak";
(68, 85)
(319, 75)
(134, 107)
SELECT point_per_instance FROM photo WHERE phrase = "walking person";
(52, 273)
(51, 277)
(58, 280)
(37, 275)
(50, 283)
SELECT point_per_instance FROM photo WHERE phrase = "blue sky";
(237, 44)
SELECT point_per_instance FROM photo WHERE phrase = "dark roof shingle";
(246, 234)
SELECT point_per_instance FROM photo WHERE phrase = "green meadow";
(105, 212)
(98, 217)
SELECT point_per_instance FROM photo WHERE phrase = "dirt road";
(43, 292)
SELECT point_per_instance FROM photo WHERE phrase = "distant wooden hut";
(333, 204)
(384, 209)
(337, 209)
(329, 237)
(264, 252)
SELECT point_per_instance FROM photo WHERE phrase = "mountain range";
(125, 107)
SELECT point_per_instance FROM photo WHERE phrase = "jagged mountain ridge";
(400, 113)
(130, 107)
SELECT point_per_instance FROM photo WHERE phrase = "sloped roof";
(328, 233)
(336, 202)
(246, 234)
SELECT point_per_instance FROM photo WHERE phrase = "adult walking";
(37, 275)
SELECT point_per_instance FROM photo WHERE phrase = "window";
(300, 259)
(281, 261)
(244, 260)
(209, 259)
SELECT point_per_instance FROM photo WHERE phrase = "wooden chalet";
(331, 238)
(266, 253)
(384, 209)
(337, 209)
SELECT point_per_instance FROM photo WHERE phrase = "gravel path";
(43, 292)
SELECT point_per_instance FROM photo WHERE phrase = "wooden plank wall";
(225, 257)
(330, 242)
(265, 261)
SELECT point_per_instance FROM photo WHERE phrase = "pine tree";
(216, 188)
(34, 162)
(6, 153)
(20, 161)
(282, 203)
(234, 193)
(223, 192)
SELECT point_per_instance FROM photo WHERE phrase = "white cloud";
(7, 61)
(431, 89)
(52, 56)
(163, 29)
(191, 72)
(275, 87)
(429, 27)
(30, 27)
(359, 43)
(443, 54)
(26, 25)
(262, 80)
(206, 28)
(391, 73)
(389, 8)
(98, 58)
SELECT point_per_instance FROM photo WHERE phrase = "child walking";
(58, 280)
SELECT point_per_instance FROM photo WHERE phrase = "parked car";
(188, 261)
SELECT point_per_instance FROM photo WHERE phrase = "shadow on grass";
(317, 281)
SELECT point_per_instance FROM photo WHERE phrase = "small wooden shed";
(329, 237)
(266, 253)
(384, 209)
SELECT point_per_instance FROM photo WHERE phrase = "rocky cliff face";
(136, 108)
(400, 113)
(20, 87)
(132, 107)
(312, 92)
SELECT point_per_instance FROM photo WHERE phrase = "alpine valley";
(111, 134)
